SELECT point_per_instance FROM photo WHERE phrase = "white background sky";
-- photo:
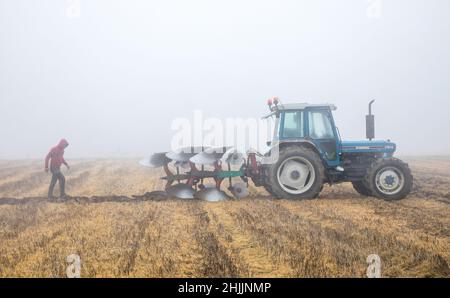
(112, 80)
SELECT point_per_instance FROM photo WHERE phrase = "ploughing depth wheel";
(297, 174)
(389, 179)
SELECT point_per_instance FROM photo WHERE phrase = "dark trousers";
(57, 176)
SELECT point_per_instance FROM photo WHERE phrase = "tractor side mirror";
(370, 123)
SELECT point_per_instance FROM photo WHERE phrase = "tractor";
(306, 152)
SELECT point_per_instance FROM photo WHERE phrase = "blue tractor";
(305, 153)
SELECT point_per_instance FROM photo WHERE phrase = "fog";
(110, 76)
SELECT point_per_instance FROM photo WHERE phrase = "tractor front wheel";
(298, 173)
(389, 179)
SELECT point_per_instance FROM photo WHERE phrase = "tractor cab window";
(293, 124)
(320, 125)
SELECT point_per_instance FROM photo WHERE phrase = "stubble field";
(118, 235)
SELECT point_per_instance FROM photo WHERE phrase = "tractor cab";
(311, 124)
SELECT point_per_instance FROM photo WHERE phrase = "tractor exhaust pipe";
(370, 123)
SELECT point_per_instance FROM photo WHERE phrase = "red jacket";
(56, 155)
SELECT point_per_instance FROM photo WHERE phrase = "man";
(56, 155)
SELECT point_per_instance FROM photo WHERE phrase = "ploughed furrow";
(251, 258)
(216, 260)
(400, 247)
(429, 217)
(110, 250)
(123, 177)
(74, 183)
(10, 170)
(430, 205)
(291, 242)
(23, 250)
(131, 178)
(169, 247)
(35, 181)
(122, 236)
(133, 238)
(95, 183)
(24, 184)
(223, 230)
(106, 238)
(318, 247)
(15, 219)
(438, 166)
(431, 178)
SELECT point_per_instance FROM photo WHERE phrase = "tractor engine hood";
(379, 146)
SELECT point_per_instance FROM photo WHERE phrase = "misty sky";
(112, 78)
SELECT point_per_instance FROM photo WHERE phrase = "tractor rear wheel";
(269, 190)
(298, 173)
(389, 179)
(361, 188)
(265, 184)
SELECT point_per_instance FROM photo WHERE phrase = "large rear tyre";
(269, 190)
(389, 179)
(361, 188)
(297, 174)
